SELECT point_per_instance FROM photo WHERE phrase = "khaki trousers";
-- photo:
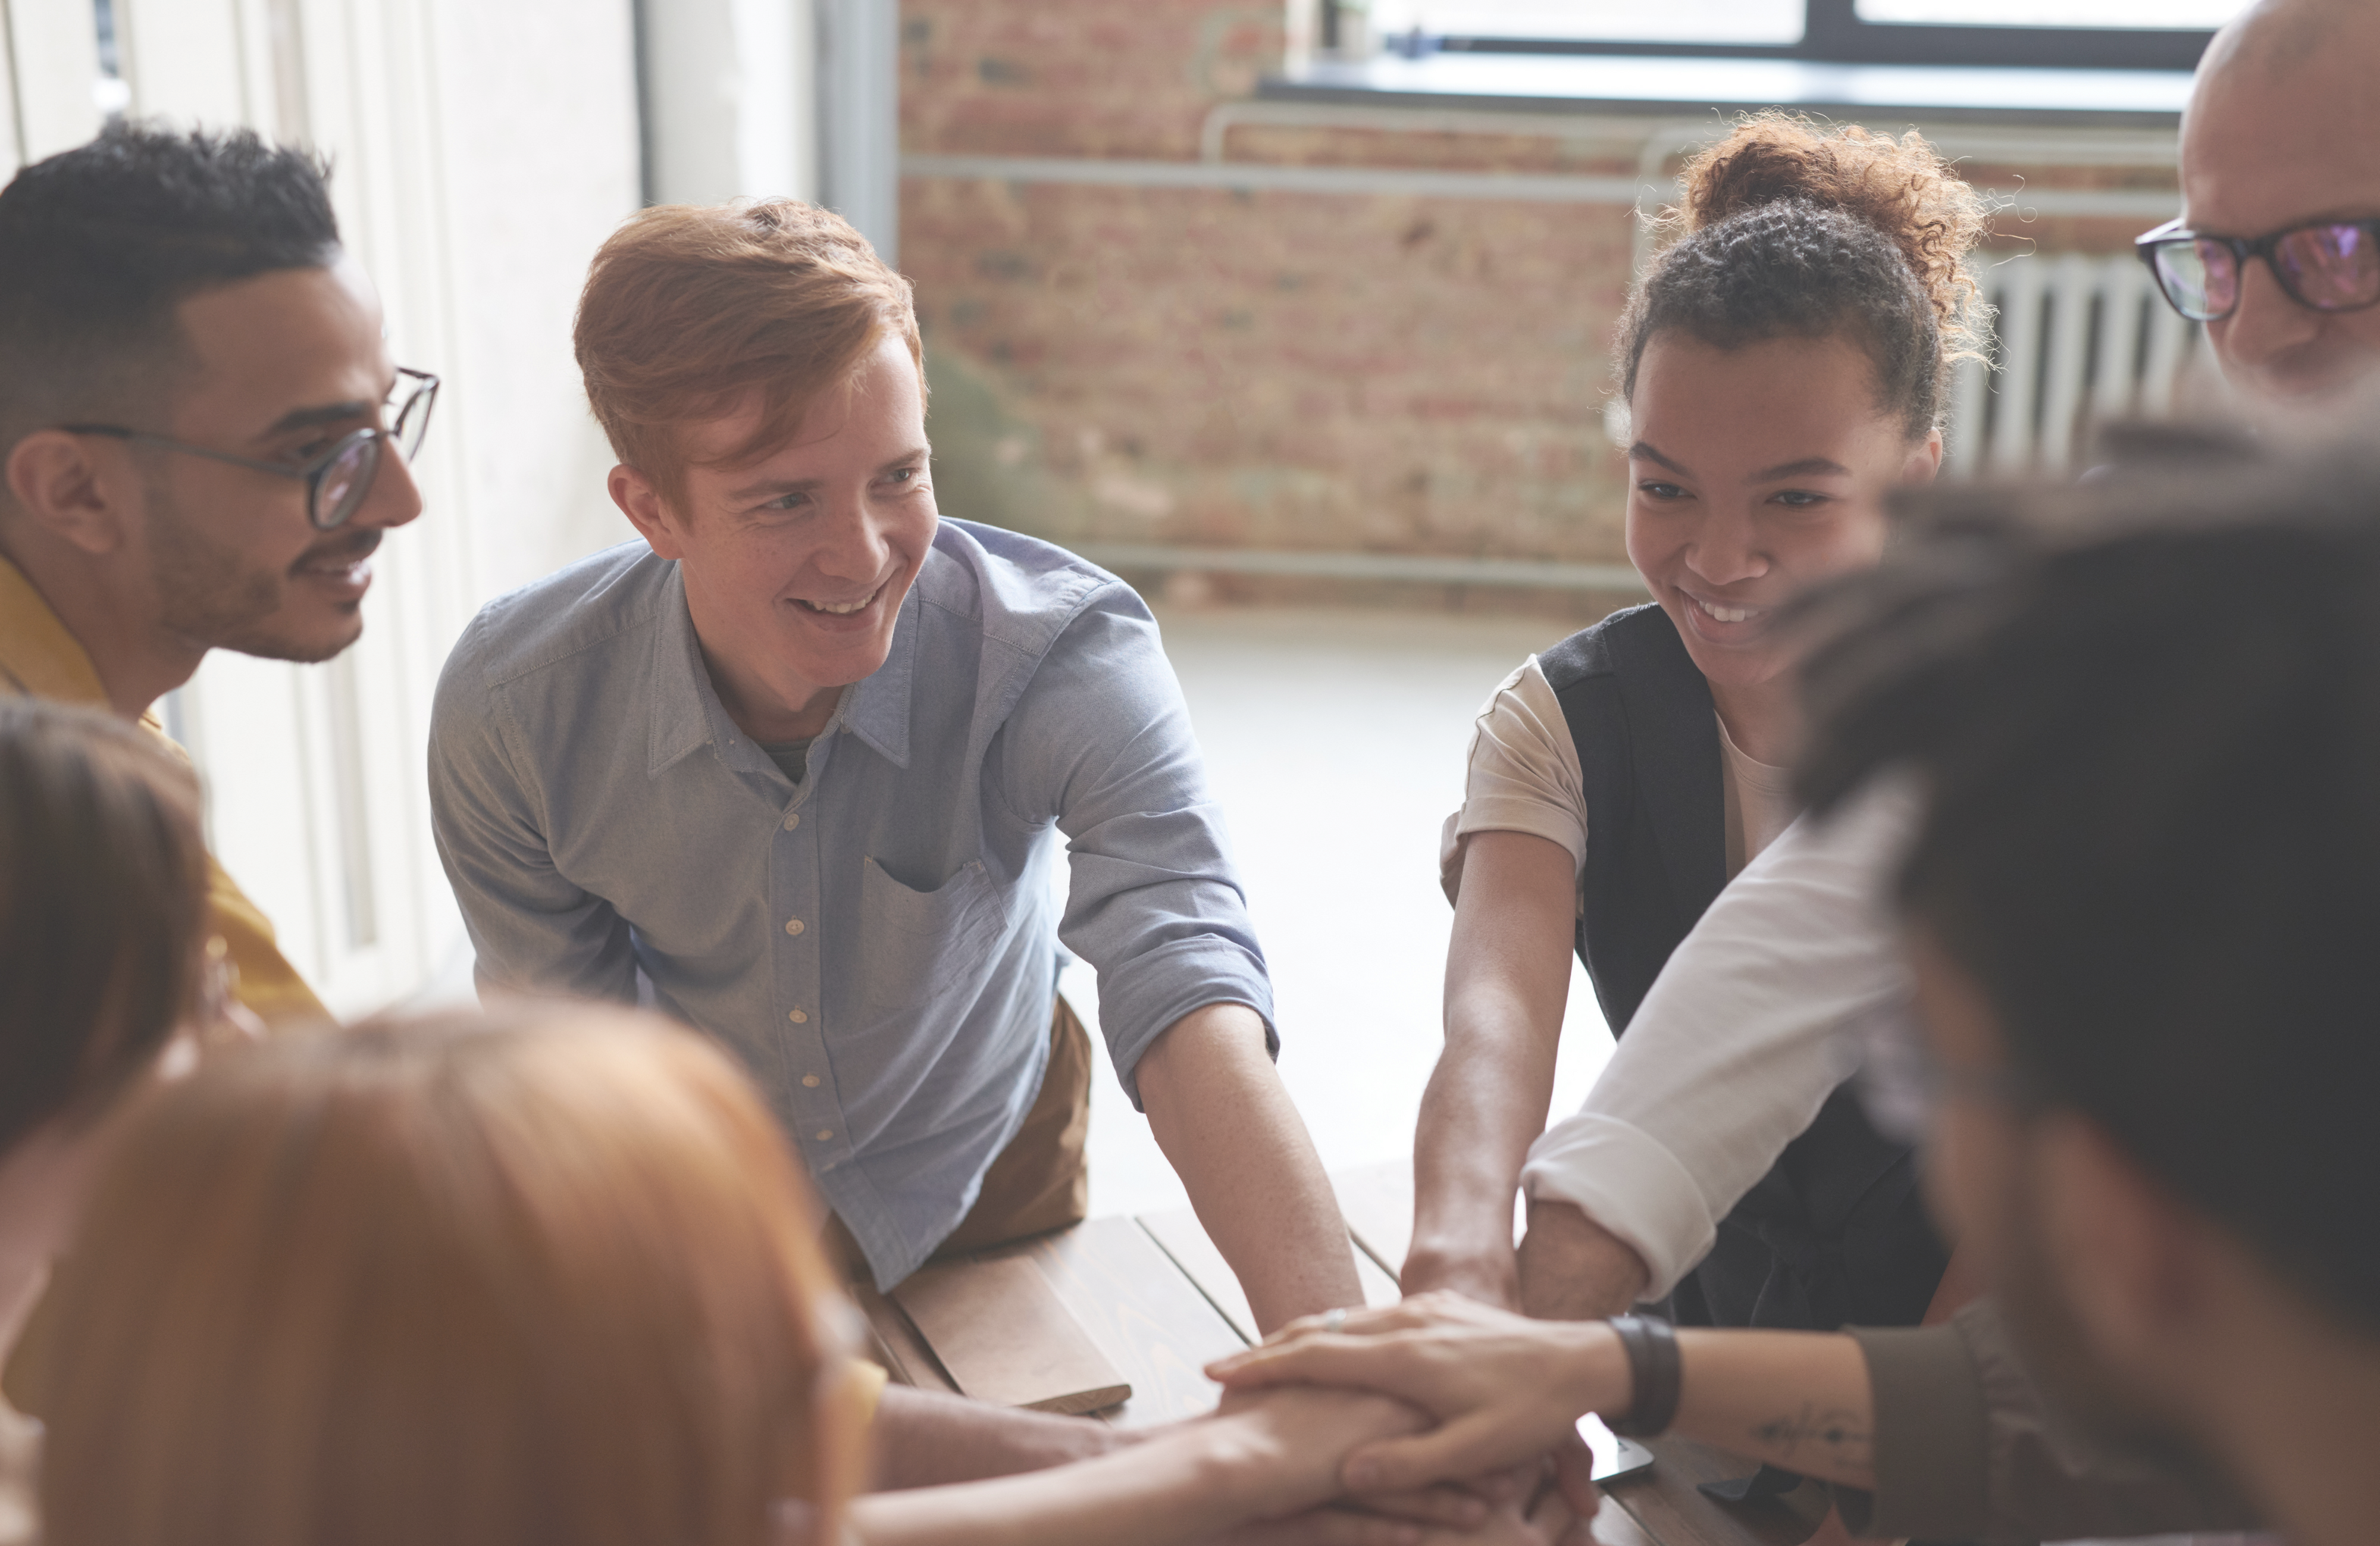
(1040, 1182)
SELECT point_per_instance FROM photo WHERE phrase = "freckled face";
(795, 565)
(1753, 472)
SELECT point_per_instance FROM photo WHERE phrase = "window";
(2104, 34)
(1772, 22)
(2193, 14)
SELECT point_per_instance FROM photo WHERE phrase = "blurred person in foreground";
(2136, 724)
(104, 930)
(1735, 1049)
(794, 765)
(203, 436)
(546, 1273)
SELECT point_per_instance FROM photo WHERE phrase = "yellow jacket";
(40, 659)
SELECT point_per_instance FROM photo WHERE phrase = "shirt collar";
(682, 691)
(38, 656)
(877, 708)
(687, 713)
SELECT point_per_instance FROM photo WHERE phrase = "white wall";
(731, 109)
(481, 151)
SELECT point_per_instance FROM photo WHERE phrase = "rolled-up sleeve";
(1967, 1447)
(1101, 743)
(532, 929)
(1738, 1044)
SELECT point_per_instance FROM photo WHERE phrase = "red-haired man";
(794, 765)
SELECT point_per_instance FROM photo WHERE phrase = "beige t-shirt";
(20, 1466)
(1524, 776)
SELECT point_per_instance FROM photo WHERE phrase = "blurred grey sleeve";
(1967, 1447)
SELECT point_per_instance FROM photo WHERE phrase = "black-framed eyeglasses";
(1901, 1084)
(338, 481)
(2326, 265)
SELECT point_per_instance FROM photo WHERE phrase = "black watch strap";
(1654, 1371)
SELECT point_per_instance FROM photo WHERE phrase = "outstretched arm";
(1224, 1119)
(1735, 1048)
(1267, 1459)
(1504, 1388)
(1101, 745)
(922, 1439)
(1507, 981)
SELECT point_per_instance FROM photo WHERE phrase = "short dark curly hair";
(99, 245)
(1790, 231)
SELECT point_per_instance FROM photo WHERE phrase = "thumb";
(1465, 1447)
(1575, 1476)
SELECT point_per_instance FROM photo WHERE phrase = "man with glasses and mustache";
(1732, 1052)
(203, 437)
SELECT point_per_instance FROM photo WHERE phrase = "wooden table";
(1155, 1296)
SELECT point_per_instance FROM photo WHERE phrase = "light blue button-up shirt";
(877, 942)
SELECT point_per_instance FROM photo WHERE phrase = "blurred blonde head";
(542, 1274)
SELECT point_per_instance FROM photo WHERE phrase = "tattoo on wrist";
(1837, 1435)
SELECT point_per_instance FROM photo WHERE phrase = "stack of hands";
(1436, 1420)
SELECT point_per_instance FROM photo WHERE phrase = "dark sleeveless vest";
(1836, 1233)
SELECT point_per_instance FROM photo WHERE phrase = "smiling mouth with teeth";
(1727, 613)
(842, 609)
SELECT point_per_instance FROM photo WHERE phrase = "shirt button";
(824, 1134)
(799, 1018)
(793, 926)
(792, 820)
(810, 1082)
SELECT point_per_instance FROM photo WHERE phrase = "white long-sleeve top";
(1735, 1048)
(1739, 1042)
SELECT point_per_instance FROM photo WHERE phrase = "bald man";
(2280, 133)
(1739, 1041)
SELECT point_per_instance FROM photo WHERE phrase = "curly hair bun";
(1903, 188)
(1787, 228)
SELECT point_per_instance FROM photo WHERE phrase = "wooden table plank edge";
(1246, 1333)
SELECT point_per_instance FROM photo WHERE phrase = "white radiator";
(2081, 340)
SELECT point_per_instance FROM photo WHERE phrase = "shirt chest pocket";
(918, 947)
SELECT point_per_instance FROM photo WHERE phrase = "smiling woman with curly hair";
(1782, 364)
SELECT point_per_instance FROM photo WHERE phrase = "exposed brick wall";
(1099, 77)
(1275, 370)
(1389, 373)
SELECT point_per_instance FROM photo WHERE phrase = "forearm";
(1507, 984)
(1274, 1455)
(1574, 1269)
(1162, 1491)
(1799, 1400)
(1486, 1100)
(927, 1440)
(1225, 1120)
